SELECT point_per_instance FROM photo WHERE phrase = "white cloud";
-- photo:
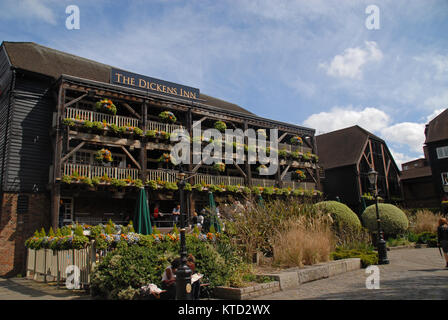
(411, 134)
(371, 119)
(401, 158)
(438, 101)
(29, 9)
(350, 63)
(434, 114)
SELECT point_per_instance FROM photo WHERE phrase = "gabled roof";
(343, 147)
(416, 173)
(34, 57)
(437, 128)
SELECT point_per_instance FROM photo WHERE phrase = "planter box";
(261, 289)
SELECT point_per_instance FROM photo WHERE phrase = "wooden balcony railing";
(263, 182)
(160, 175)
(219, 180)
(92, 171)
(299, 185)
(120, 121)
(154, 125)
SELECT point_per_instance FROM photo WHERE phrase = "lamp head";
(373, 177)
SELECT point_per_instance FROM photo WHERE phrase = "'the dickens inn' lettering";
(150, 84)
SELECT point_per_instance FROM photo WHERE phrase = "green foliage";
(42, 233)
(155, 230)
(428, 238)
(88, 124)
(58, 232)
(79, 242)
(131, 226)
(97, 126)
(212, 229)
(51, 232)
(398, 241)
(368, 257)
(66, 231)
(196, 230)
(220, 125)
(151, 133)
(78, 231)
(138, 131)
(341, 214)
(68, 122)
(175, 229)
(393, 221)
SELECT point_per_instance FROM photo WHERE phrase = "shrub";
(393, 221)
(424, 220)
(429, 238)
(368, 257)
(306, 241)
(341, 214)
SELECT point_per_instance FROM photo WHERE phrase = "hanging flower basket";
(168, 117)
(221, 126)
(219, 167)
(299, 175)
(165, 158)
(106, 105)
(104, 155)
(296, 140)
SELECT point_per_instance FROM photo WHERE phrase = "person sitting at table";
(169, 279)
(196, 286)
(176, 213)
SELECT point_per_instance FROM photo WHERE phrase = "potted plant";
(219, 167)
(299, 175)
(220, 125)
(104, 155)
(167, 116)
(296, 140)
(106, 105)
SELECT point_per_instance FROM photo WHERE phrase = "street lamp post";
(381, 244)
(183, 273)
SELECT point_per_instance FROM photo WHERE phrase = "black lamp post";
(183, 273)
(381, 244)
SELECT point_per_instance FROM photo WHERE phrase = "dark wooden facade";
(346, 156)
(436, 133)
(40, 87)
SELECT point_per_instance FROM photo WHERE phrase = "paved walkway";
(412, 274)
(25, 289)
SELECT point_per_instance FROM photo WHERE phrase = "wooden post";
(246, 163)
(143, 152)
(316, 170)
(56, 188)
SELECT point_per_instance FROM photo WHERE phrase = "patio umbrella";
(214, 218)
(260, 201)
(142, 222)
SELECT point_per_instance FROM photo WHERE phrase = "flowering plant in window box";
(296, 140)
(104, 155)
(299, 175)
(220, 125)
(165, 158)
(219, 167)
(167, 116)
(106, 105)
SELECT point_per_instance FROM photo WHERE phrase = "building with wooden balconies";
(78, 138)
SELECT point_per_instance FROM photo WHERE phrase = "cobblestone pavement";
(26, 289)
(412, 274)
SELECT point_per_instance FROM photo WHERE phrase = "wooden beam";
(311, 174)
(79, 146)
(285, 172)
(131, 110)
(198, 122)
(239, 169)
(385, 171)
(131, 157)
(104, 140)
(282, 137)
(197, 166)
(75, 100)
(371, 155)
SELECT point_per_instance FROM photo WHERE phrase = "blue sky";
(309, 62)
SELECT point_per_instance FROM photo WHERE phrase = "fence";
(219, 180)
(92, 116)
(52, 265)
(87, 170)
(153, 125)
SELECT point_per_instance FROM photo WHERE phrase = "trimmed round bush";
(393, 220)
(342, 215)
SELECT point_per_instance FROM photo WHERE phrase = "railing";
(90, 171)
(290, 147)
(263, 182)
(100, 117)
(153, 125)
(299, 185)
(161, 175)
(219, 180)
(52, 265)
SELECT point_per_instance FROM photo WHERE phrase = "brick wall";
(16, 228)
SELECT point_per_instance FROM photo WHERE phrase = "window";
(442, 152)
(66, 211)
(445, 178)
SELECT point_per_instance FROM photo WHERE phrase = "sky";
(312, 63)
